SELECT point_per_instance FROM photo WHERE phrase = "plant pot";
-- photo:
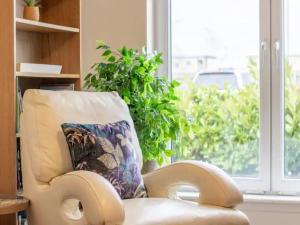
(31, 13)
(149, 166)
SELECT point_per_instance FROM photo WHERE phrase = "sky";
(293, 27)
(228, 29)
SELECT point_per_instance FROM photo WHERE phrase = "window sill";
(272, 199)
(251, 198)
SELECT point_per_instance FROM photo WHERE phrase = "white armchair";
(54, 189)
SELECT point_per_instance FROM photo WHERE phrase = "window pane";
(215, 54)
(292, 89)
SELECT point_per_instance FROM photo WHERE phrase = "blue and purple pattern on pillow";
(108, 151)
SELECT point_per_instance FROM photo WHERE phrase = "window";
(224, 87)
(291, 90)
(239, 65)
(286, 96)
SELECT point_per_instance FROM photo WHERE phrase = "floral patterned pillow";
(108, 151)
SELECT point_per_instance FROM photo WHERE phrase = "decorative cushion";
(107, 150)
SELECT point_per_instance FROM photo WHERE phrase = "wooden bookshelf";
(55, 39)
(7, 113)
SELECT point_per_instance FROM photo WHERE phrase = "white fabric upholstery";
(49, 182)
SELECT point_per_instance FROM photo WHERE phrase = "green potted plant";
(32, 10)
(151, 99)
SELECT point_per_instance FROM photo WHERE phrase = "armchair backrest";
(45, 111)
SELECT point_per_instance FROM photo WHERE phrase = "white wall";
(272, 213)
(264, 209)
(117, 22)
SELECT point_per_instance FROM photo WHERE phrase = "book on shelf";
(38, 68)
(22, 220)
(19, 167)
(58, 87)
(19, 108)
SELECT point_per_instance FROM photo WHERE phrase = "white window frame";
(271, 178)
(159, 30)
(280, 183)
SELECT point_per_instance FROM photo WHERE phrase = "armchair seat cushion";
(161, 211)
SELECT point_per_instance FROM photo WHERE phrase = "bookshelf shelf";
(12, 204)
(46, 75)
(34, 26)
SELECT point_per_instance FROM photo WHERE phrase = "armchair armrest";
(101, 203)
(215, 186)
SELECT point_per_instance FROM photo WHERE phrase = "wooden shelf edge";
(36, 26)
(14, 206)
(46, 75)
